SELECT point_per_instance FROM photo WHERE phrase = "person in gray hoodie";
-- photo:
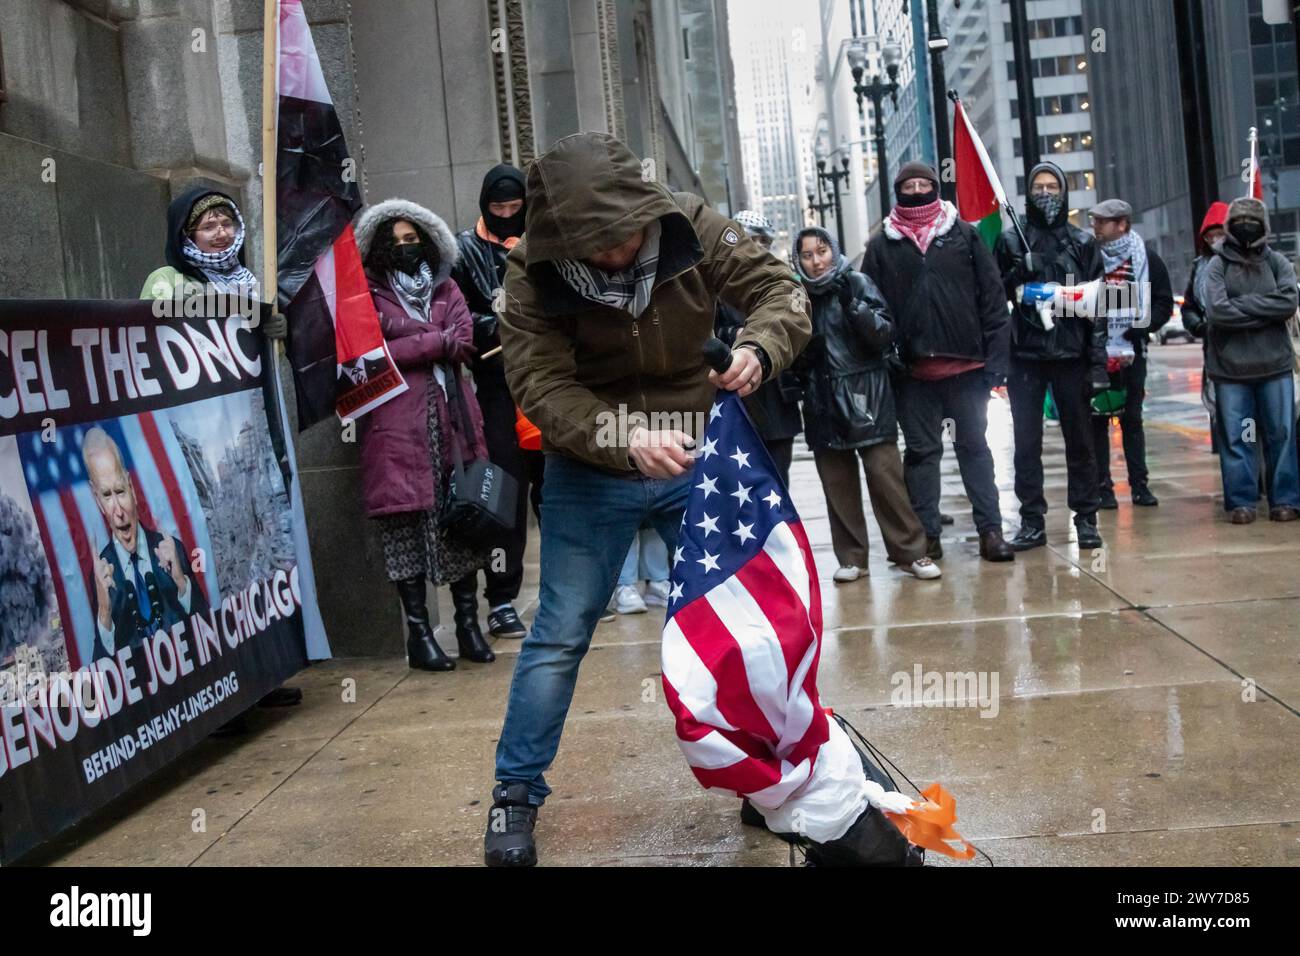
(1248, 292)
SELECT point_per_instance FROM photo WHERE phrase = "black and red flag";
(340, 361)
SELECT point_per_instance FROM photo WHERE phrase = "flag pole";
(989, 171)
(1254, 161)
(270, 237)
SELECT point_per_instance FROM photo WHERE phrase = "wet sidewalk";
(1142, 705)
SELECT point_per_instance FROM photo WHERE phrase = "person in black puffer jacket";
(1070, 358)
(950, 313)
(848, 410)
(480, 272)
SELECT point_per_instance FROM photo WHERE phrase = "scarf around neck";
(824, 281)
(223, 269)
(922, 223)
(1126, 299)
(628, 289)
(414, 291)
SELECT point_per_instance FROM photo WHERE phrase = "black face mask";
(1247, 232)
(918, 199)
(505, 227)
(408, 257)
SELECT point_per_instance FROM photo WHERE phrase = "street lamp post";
(821, 205)
(891, 54)
(937, 43)
(832, 180)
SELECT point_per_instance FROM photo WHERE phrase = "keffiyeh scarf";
(223, 269)
(414, 291)
(628, 289)
(1127, 281)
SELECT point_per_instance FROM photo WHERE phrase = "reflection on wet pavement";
(1140, 704)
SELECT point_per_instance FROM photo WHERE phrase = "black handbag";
(482, 497)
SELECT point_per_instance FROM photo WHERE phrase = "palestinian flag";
(979, 193)
(340, 361)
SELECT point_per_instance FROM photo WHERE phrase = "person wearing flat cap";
(1139, 300)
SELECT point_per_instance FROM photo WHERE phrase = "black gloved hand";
(994, 380)
(486, 333)
(844, 292)
(1099, 382)
(275, 326)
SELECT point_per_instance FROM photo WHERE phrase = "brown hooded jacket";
(571, 362)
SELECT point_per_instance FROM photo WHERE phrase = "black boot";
(422, 651)
(509, 837)
(464, 597)
(872, 841)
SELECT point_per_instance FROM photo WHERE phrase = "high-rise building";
(980, 65)
(1140, 137)
(909, 126)
(773, 55)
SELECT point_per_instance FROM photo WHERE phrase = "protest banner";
(154, 575)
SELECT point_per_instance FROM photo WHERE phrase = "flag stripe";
(719, 650)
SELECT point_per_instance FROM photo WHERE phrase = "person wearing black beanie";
(480, 272)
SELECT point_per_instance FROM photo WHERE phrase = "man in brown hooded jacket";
(610, 297)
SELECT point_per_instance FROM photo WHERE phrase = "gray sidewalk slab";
(1120, 733)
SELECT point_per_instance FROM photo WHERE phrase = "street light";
(891, 55)
(832, 180)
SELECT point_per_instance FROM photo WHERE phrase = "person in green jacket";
(204, 250)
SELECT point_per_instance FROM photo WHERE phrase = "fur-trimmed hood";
(949, 217)
(370, 218)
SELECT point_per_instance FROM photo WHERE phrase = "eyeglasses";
(219, 225)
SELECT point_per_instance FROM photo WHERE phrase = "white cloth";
(833, 796)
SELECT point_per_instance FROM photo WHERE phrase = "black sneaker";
(1089, 536)
(945, 518)
(1028, 537)
(1143, 497)
(505, 623)
(933, 549)
(509, 837)
(1108, 500)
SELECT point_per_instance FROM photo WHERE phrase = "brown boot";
(1283, 513)
(1241, 515)
(993, 547)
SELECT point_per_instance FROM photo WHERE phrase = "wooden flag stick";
(270, 105)
(490, 352)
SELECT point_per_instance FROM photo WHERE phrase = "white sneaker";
(925, 569)
(627, 600)
(846, 574)
(656, 594)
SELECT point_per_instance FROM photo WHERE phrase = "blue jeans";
(647, 559)
(588, 520)
(1251, 412)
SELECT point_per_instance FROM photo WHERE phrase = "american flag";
(72, 529)
(743, 632)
